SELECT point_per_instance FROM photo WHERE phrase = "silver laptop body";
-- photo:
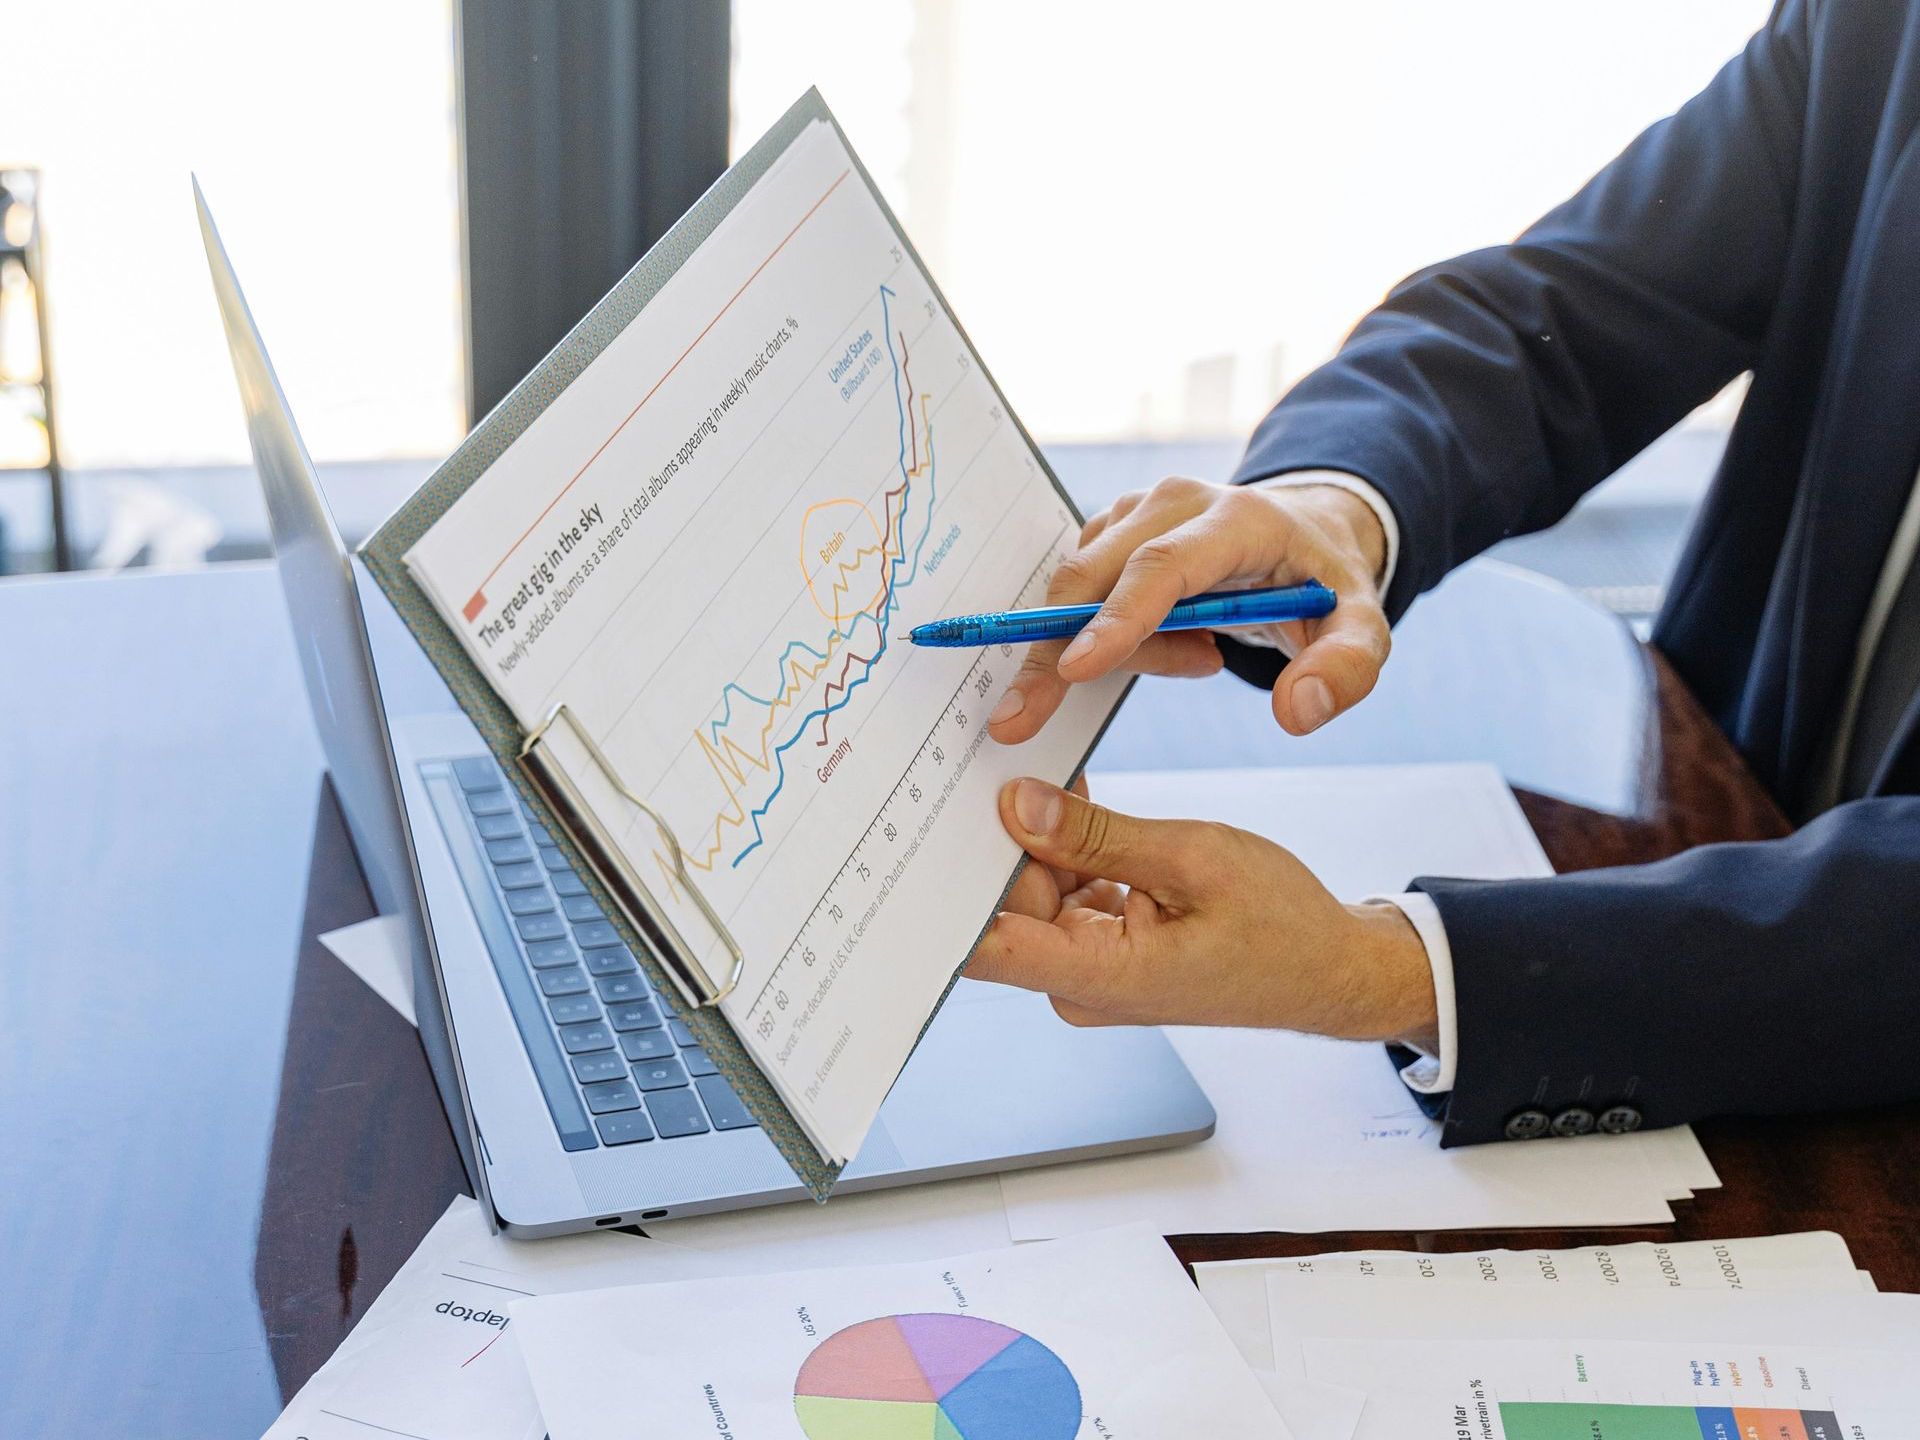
(998, 1082)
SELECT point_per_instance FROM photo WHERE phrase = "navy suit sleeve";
(1488, 393)
(1772, 976)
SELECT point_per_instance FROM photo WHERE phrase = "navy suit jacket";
(1771, 225)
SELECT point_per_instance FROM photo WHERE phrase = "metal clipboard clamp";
(636, 901)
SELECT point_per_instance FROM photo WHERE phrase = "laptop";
(525, 995)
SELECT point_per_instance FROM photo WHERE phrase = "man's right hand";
(1185, 537)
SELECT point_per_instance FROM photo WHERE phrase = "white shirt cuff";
(1432, 1074)
(1353, 485)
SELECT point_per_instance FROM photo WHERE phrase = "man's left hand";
(1124, 921)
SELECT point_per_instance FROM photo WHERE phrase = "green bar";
(1533, 1420)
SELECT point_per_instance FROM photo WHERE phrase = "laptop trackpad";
(999, 1076)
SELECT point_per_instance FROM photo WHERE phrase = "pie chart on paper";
(935, 1377)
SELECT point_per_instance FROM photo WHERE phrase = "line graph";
(801, 662)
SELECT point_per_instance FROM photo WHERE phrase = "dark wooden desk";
(218, 1145)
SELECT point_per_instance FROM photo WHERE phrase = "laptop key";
(509, 852)
(675, 1113)
(723, 1105)
(540, 835)
(565, 882)
(666, 1074)
(578, 1039)
(476, 772)
(520, 876)
(697, 1062)
(529, 901)
(640, 1015)
(541, 927)
(613, 1095)
(616, 988)
(497, 827)
(595, 932)
(646, 1045)
(568, 980)
(545, 954)
(551, 857)
(682, 1036)
(568, 1009)
(610, 960)
(490, 802)
(627, 1127)
(580, 908)
(599, 1065)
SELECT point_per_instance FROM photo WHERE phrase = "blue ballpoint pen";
(1218, 610)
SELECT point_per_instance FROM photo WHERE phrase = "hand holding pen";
(1184, 538)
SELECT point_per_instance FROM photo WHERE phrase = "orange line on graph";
(478, 602)
(837, 540)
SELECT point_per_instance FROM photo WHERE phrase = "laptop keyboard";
(636, 1069)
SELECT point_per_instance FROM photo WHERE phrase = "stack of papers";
(1102, 1336)
(621, 1336)
(1776, 1337)
(1237, 1289)
(1321, 1134)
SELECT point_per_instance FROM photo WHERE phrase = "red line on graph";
(479, 600)
(481, 1351)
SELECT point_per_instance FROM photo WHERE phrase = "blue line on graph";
(894, 586)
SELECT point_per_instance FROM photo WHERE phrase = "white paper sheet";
(918, 1222)
(1096, 1336)
(1320, 1135)
(376, 951)
(1307, 1311)
(1814, 1261)
(435, 1357)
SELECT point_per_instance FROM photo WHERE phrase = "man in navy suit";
(1771, 225)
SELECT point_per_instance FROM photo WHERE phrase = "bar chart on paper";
(1577, 1421)
(786, 460)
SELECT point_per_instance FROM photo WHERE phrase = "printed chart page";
(709, 546)
(1098, 1336)
(1598, 1362)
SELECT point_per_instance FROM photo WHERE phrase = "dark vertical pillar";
(586, 128)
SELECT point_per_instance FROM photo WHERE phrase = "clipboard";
(671, 959)
(671, 962)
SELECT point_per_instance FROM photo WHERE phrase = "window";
(1152, 219)
(324, 138)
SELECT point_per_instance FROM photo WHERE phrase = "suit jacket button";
(1620, 1120)
(1573, 1121)
(1527, 1125)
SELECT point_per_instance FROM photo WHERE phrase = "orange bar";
(1769, 1424)
(475, 605)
